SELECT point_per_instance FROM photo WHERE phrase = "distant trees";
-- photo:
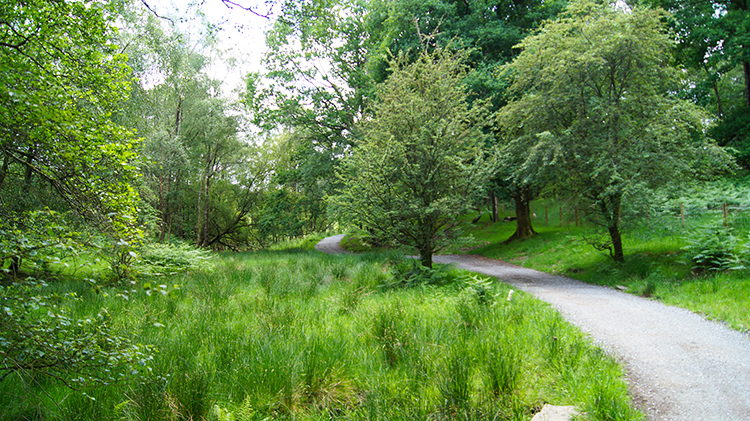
(313, 89)
(713, 44)
(593, 102)
(420, 160)
(203, 179)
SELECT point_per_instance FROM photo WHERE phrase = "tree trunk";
(611, 213)
(475, 220)
(15, 265)
(425, 256)
(715, 84)
(4, 168)
(167, 216)
(746, 68)
(493, 201)
(524, 229)
(614, 235)
(199, 224)
(162, 209)
(206, 203)
(29, 171)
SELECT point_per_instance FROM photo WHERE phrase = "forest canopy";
(116, 119)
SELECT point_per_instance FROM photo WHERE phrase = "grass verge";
(657, 264)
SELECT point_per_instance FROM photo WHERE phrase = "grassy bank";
(657, 262)
(304, 336)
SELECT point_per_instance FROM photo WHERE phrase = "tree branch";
(230, 5)
(156, 14)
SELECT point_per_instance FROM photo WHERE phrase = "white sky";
(241, 34)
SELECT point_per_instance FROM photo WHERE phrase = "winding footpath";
(681, 367)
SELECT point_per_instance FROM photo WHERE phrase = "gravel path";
(331, 245)
(681, 367)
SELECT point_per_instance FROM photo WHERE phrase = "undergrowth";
(305, 336)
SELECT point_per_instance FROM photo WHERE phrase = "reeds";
(304, 336)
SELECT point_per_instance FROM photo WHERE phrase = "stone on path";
(555, 413)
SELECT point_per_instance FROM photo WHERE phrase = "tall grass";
(304, 336)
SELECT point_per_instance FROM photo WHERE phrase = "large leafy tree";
(594, 102)
(61, 79)
(61, 82)
(713, 42)
(489, 29)
(419, 162)
(314, 86)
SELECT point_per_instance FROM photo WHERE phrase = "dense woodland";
(390, 118)
(112, 121)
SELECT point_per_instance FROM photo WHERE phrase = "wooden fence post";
(682, 214)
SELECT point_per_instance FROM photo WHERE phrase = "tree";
(419, 163)
(593, 102)
(713, 42)
(201, 177)
(314, 86)
(61, 80)
(489, 30)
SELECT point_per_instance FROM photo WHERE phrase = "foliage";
(488, 31)
(714, 247)
(40, 339)
(409, 273)
(712, 46)
(328, 98)
(313, 89)
(592, 102)
(160, 259)
(419, 163)
(37, 240)
(202, 177)
(62, 80)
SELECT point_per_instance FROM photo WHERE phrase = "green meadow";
(294, 334)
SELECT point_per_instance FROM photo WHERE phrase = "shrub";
(408, 273)
(156, 259)
(39, 239)
(39, 339)
(713, 248)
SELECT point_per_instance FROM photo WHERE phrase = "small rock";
(621, 288)
(556, 413)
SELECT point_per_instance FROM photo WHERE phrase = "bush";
(157, 259)
(39, 339)
(714, 248)
(409, 273)
(39, 239)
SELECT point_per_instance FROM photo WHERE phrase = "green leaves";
(39, 338)
(592, 103)
(420, 162)
(61, 81)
